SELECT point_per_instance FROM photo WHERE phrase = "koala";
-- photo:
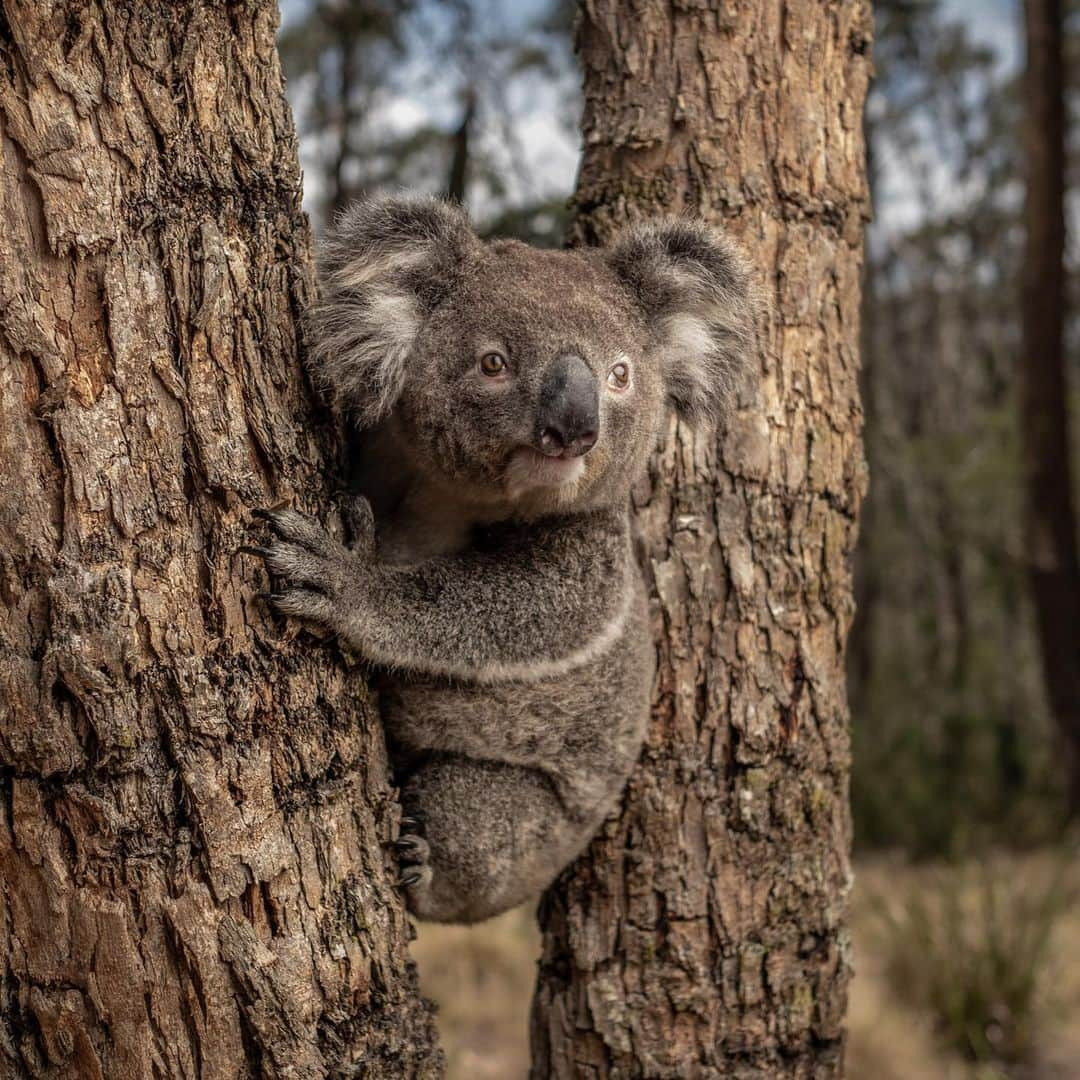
(504, 401)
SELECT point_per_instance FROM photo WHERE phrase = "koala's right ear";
(386, 262)
(696, 291)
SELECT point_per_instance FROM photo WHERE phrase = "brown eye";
(619, 376)
(492, 364)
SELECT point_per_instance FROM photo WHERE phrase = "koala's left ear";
(695, 289)
(385, 264)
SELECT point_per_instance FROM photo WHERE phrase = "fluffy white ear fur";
(695, 289)
(385, 262)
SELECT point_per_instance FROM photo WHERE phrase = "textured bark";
(194, 808)
(704, 934)
(1050, 521)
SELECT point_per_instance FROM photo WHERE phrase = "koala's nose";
(568, 412)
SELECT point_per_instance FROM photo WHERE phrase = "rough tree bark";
(1050, 519)
(704, 933)
(192, 809)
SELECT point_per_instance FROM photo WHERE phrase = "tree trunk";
(457, 181)
(1050, 521)
(193, 807)
(704, 933)
(345, 31)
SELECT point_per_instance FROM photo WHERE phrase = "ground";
(482, 978)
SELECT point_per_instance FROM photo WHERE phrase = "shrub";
(973, 946)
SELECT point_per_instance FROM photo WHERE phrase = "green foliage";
(973, 946)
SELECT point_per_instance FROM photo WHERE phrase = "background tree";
(1050, 522)
(346, 51)
(193, 812)
(704, 932)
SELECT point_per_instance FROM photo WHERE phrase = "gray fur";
(493, 583)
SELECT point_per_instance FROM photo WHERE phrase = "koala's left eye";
(493, 364)
(619, 376)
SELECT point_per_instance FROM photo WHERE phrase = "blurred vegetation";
(954, 744)
(975, 946)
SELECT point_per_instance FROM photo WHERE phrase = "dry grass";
(481, 977)
(947, 956)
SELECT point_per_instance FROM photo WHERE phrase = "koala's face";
(529, 381)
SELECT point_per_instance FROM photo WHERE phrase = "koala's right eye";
(492, 364)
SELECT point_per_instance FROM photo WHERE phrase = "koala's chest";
(588, 721)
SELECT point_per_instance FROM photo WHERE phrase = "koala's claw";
(253, 549)
(315, 576)
(299, 565)
(412, 850)
(303, 603)
(297, 528)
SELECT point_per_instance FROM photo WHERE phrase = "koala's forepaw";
(315, 572)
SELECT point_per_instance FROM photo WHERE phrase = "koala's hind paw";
(413, 854)
(414, 875)
(412, 850)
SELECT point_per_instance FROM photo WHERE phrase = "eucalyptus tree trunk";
(193, 806)
(1050, 517)
(704, 933)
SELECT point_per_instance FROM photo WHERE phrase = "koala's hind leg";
(495, 834)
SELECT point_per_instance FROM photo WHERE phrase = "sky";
(992, 22)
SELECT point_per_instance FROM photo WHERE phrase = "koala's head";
(530, 381)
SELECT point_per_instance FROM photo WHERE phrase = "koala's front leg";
(541, 595)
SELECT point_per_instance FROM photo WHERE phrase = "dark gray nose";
(568, 412)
